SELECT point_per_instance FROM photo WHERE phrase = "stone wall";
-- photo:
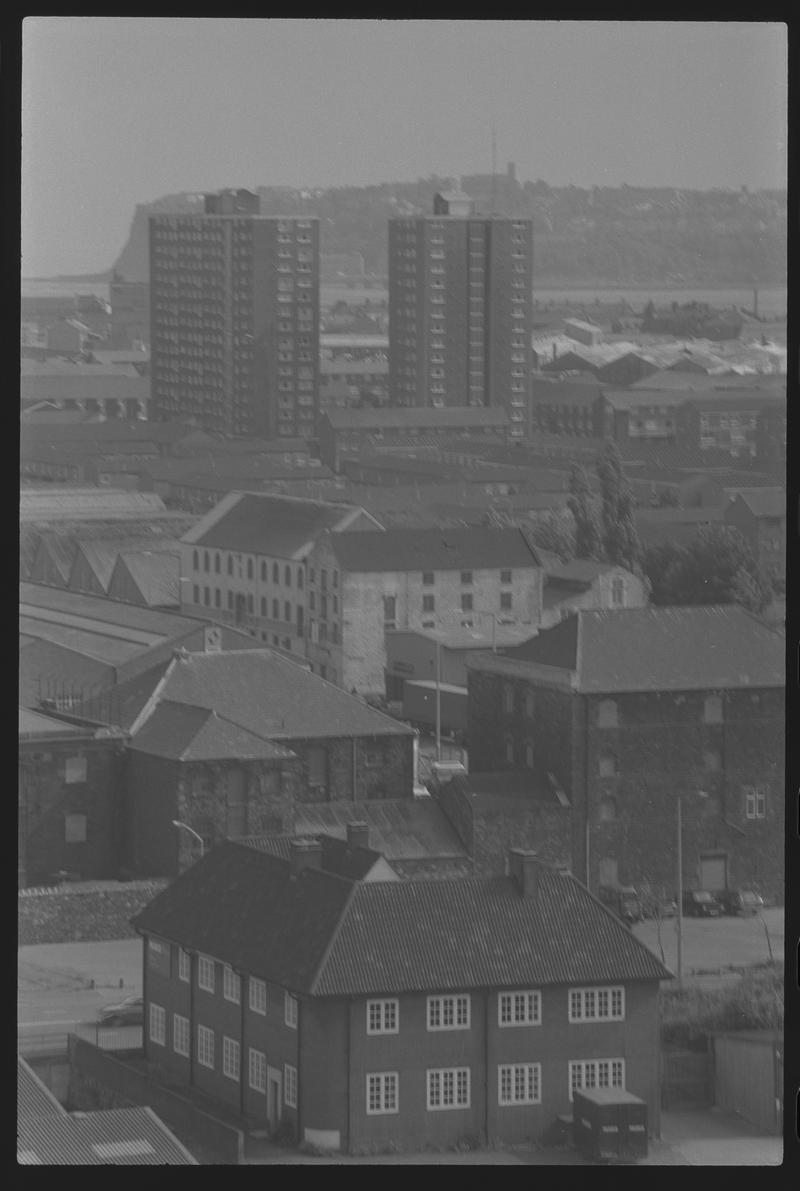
(78, 913)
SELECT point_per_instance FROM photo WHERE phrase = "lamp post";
(191, 830)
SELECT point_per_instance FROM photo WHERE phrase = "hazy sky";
(123, 110)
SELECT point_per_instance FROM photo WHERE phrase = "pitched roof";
(338, 857)
(321, 934)
(62, 504)
(155, 574)
(579, 570)
(185, 733)
(117, 1137)
(266, 524)
(399, 829)
(433, 549)
(765, 502)
(32, 724)
(650, 649)
(259, 691)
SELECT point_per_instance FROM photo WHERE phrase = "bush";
(754, 1003)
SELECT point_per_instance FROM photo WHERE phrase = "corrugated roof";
(649, 649)
(265, 524)
(118, 1137)
(324, 935)
(34, 1099)
(433, 550)
(156, 575)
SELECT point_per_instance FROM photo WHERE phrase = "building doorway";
(273, 1097)
(714, 871)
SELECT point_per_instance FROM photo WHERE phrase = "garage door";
(714, 872)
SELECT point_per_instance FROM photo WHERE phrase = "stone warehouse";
(628, 711)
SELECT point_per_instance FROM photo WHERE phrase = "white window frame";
(257, 995)
(755, 803)
(257, 1070)
(455, 1006)
(157, 1021)
(383, 1016)
(289, 1085)
(387, 1086)
(205, 964)
(205, 1047)
(231, 985)
(531, 1080)
(290, 1010)
(181, 1035)
(596, 1003)
(600, 1073)
(437, 1080)
(521, 1007)
(184, 965)
(231, 1057)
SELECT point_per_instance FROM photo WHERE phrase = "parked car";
(699, 903)
(654, 906)
(741, 901)
(129, 1012)
(623, 900)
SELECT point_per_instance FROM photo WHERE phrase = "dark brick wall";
(45, 798)
(384, 768)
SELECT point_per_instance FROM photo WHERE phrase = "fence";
(687, 1077)
(104, 1037)
(748, 1077)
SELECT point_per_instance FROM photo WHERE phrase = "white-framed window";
(290, 1085)
(519, 1083)
(449, 1013)
(597, 1004)
(595, 1073)
(755, 802)
(230, 1057)
(231, 985)
(257, 1070)
(158, 1024)
(383, 1017)
(180, 1034)
(448, 1087)
(519, 1008)
(205, 973)
(258, 994)
(382, 1092)
(290, 1010)
(184, 965)
(205, 1046)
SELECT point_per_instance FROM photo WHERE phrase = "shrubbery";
(753, 1003)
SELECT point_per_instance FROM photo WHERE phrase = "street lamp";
(191, 830)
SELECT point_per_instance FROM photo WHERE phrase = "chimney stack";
(524, 869)
(358, 834)
(305, 853)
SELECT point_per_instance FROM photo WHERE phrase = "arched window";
(607, 714)
(249, 568)
(206, 564)
(529, 704)
(263, 571)
(276, 574)
(216, 563)
(617, 592)
(263, 605)
(230, 564)
(712, 709)
(607, 765)
(196, 560)
(287, 576)
(300, 578)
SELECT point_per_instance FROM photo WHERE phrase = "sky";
(123, 110)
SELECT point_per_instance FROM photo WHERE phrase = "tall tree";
(619, 537)
(588, 543)
(717, 567)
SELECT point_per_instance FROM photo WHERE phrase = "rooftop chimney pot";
(358, 834)
(305, 853)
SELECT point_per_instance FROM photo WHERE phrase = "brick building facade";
(366, 1015)
(628, 711)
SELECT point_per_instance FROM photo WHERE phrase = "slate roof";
(399, 829)
(259, 691)
(265, 524)
(433, 550)
(320, 934)
(184, 733)
(155, 574)
(353, 863)
(651, 649)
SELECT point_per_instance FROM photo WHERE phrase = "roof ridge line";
(153, 699)
(314, 982)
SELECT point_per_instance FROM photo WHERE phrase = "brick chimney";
(305, 853)
(524, 869)
(358, 834)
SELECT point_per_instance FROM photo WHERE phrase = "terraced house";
(360, 1013)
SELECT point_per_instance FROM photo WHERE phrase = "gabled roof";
(433, 550)
(280, 526)
(257, 690)
(323, 935)
(765, 502)
(184, 733)
(650, 649)
(155, 574)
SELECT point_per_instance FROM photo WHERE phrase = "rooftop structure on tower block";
(362, 1013)
(235, 318)
(460, 309)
